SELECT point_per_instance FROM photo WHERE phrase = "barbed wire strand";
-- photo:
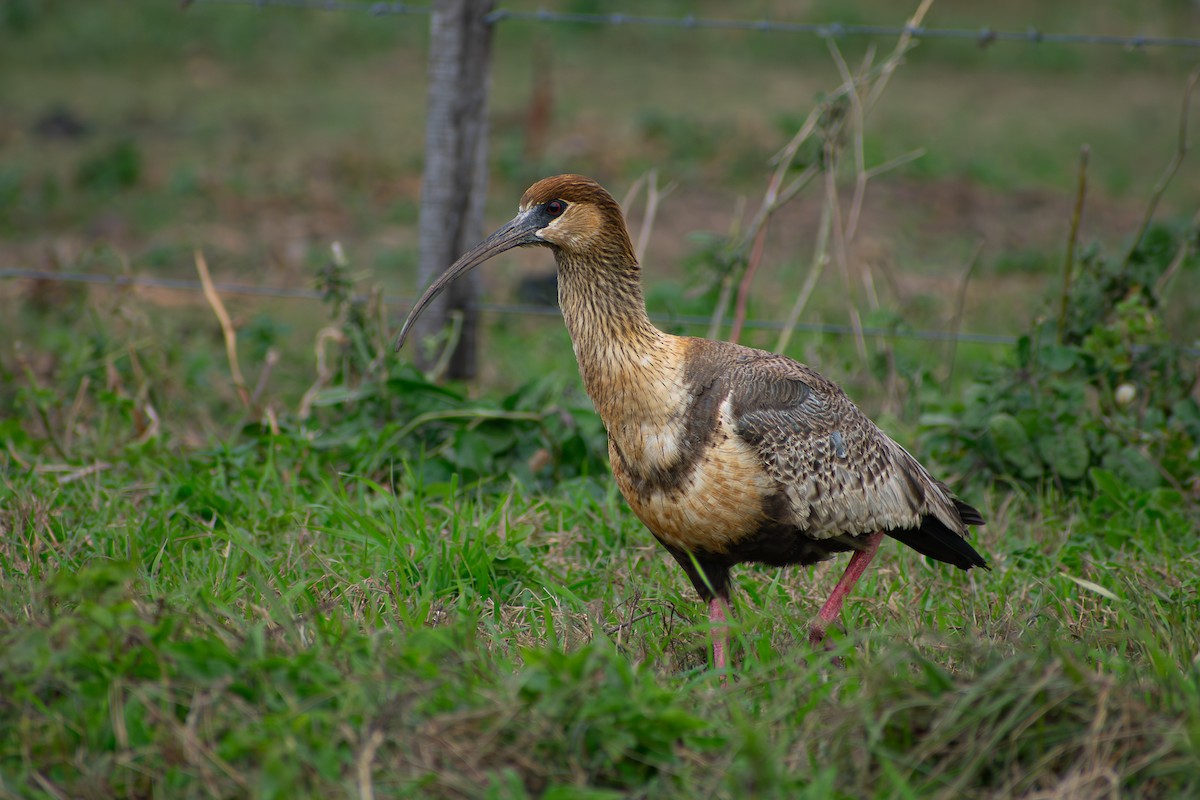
(281, 292)
(374, 9)
(984, 36)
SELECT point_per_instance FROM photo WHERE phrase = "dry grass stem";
(857, 124)
(960, 305)
(40, 412)
(269, 362)
(772, 201)
(903, 44)
(76, 408)
(842, 229)
(729, 279)
(456, 318)
(1185, 247)
(1072, 241)
(325, 336)
(756, 251)
(48, 786)
(366, 757)
(227, 329)
(654, 196)
(840, 246)
(1168, 175)
(819, 260)
(80, 474)
(898, 161)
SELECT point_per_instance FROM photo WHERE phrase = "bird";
(726, 453)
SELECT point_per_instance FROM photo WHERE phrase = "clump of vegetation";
(1102, 387)
(375, 412)
(118, 167)
(111, 393)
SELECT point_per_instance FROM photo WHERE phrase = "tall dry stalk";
(1072, 241)
(654, 196)
(227, 329)
(1168, 175)
(839, 120)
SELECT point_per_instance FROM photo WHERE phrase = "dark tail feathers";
(967, 514)
(935, 540)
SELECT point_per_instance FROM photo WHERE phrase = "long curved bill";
(518, 231)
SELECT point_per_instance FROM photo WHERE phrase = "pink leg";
(833, 606)
(720, 633)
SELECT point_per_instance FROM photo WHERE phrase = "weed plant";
(1101, 391)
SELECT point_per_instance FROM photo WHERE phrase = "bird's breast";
(695, 493)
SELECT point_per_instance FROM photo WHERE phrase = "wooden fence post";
(454, 184)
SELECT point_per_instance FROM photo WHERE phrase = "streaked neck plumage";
(621, 354)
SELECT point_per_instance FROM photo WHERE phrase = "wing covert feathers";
(838, 473)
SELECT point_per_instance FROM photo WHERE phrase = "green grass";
(238, 620)
(418, 593)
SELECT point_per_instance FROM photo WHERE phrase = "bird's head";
(573, 215)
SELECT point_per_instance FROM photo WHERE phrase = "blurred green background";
(337, 576)
(133, 132)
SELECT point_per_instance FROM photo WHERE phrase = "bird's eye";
(555, 208)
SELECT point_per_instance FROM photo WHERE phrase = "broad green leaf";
(1013, 446)
(1066, 453)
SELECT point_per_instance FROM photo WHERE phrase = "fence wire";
(983, 36)
(692, 321)
(374, 9)
(294, 293)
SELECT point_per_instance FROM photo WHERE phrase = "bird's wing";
(840, 474)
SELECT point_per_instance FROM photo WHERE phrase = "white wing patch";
(721, 502)
(660, 444)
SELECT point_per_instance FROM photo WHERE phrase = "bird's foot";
(818, 640)
(816, 633)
